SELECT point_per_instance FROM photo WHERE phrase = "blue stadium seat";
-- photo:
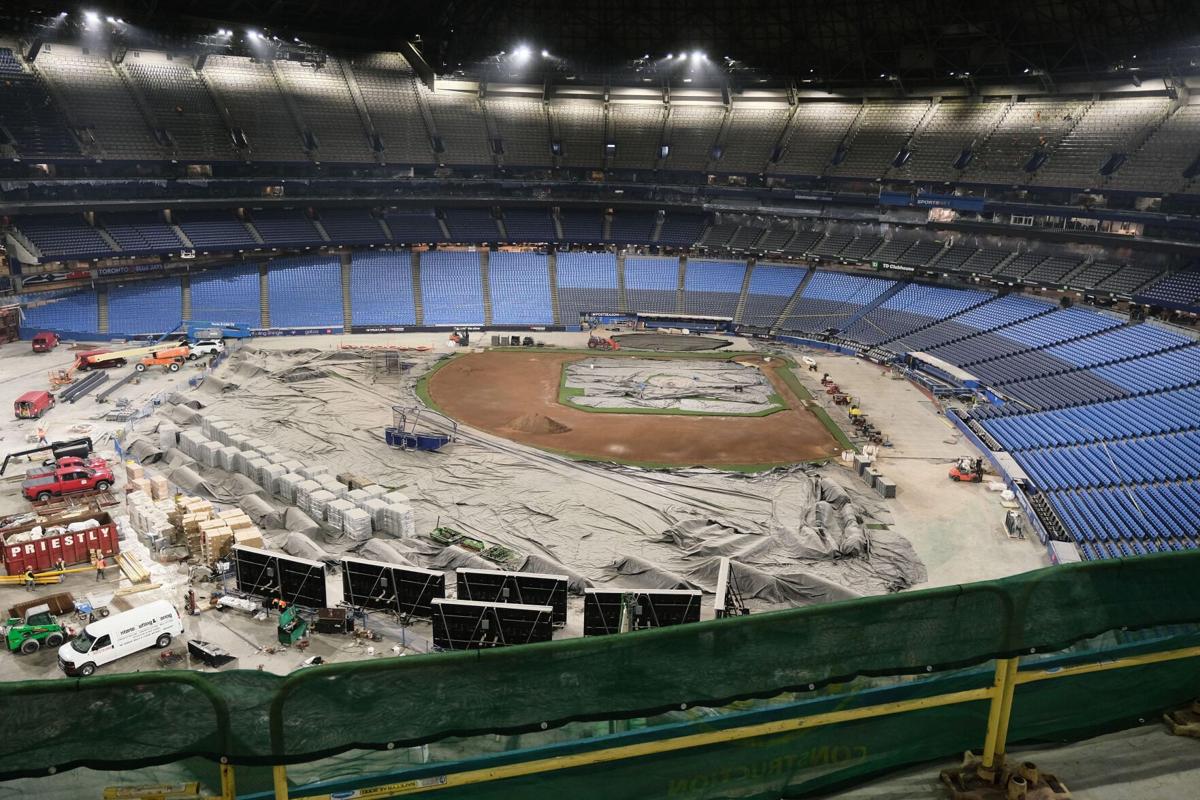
(381, 289)
(451, 288)
(520, 288)
(305, 292)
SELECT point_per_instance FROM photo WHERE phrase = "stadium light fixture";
(522, 53)
(91, 17)
(545, 53)
(670, 56)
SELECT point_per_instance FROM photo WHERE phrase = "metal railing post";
(1003, 686)
(228, 784)
(279, 779)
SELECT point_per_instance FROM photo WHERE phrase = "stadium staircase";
(1140, 136)
(347, 311)
(264, 297)
(185, 297)
(387, 231)
(1070, 276)
(108, 239)
(558, 229)
(744, 293)
(160, 134)
(847, 141)
(418, 308)
(320, 229)
(606, 229)
(102, 309)
(485, 285)
(441, 221)
(552, 268)
(682, 279)
(622, 298)
(874, 304)
(1011, 257)
(182, 236)
(930, 324)
(793, 300)
(87, 142)
(293, 110)
(254, 234)
(500, 225)
(360, 106)
(659, 219)
(223, 111)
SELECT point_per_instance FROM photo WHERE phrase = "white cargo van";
(120, 635)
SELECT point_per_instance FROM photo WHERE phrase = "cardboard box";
(134, 471)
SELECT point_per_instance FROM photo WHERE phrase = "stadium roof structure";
(833, 44)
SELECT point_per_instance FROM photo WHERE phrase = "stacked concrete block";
(289, 465)
(357, 524)
(398, 520)
(374, 490)
(335, 513)
(254, 469)
(168, 434)
(318, 501)
(332, 485)
(304, 493)
(269, 475)
(239, 462)
(357, 496)
(376, 507)
(396, 497)
(270, 453)
(286, 486)
(210, 454)
(311, 471)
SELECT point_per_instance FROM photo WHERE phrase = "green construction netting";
(123, 721)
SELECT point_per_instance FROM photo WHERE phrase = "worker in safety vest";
(30, 581)
(41, 434)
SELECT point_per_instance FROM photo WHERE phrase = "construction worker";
(60, 565)
(30, 581)
(99, 569)
(41, 434)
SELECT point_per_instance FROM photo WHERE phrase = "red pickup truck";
(67, 480)
(95, 462)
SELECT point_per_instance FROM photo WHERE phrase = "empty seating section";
(1169, 370)
(284, 226)
(228, 294)
(410, 226)
(73, 314)
(587, 282)
(750, 138)
(581, 226)
(1105, 129)
(529, 225)
(581, 126)
(629, 225)
(98, 100)
(520, 288)
(154, 306)
(830, 299)
(141, 232)
(1052, 271)
(637, 133)
(381, 289)
(524, 130)
(1124, 522)
(451, 288)
(1118, 344)
(920, 254)
(1144, 415)
(181, 105)
(885, 127)
(218, 230)
(471, 225)
(803, 242)
(63, 236)
(1091, 275)
(1030, 125)
(1175, 456)
(813, 136)
(712, 288)
(1128, 279)
(984, 261)
(459, 123)
(955, 257)
(1063, 390)
(1158, 165)
(745, 238)
(389, 91)
(1179, 290)
(1018, 267)
(693, 132)
(249, 92)
(953, 126)
(915, 306)
(718, 235)
(1040, 331)
(860, 247)
(832, 244)
(891, 250)
(775, 240)
(352, 226)
(27, 112)
(989, 316)
(651, 284)
(305, 292)
(326, 109)
(681, 229)
(771, 286)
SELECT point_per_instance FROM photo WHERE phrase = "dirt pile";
(537, 423)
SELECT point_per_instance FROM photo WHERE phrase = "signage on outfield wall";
(297, 331)
(451, 328)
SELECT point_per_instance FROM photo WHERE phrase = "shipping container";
(72, 547)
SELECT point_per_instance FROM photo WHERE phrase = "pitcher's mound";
(538, 423)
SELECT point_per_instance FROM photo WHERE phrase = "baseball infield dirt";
(515, 395)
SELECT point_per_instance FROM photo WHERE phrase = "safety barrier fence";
(692, 688)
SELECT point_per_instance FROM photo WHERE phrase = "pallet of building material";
(357, 496)
(141, 587)
(160, 488)
(269, 475)
(374, 490)
(398, 520)
(357, 524)
(355, 481)
(285, 487)
(254, 468)
(335, 512)
(134, 471)
(304, 492)
(332, 485)
(250, 537)
(376, 507)
(395, 497)
(240, 462)
(227, 455)
(132, 567)
(311, 472)
(318, 502)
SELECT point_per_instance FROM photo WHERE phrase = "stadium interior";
(772, 398)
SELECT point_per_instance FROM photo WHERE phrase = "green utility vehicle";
(37, 629)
